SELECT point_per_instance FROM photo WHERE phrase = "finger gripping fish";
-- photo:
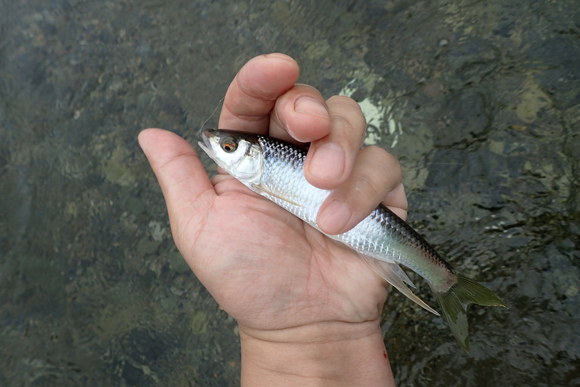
(274, 169)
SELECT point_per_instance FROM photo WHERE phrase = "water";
(479, 101)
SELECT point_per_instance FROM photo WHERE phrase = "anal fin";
(393, 274)
(401, 274)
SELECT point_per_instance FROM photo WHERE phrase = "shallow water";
(479, 101)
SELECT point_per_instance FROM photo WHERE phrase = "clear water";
(479, 100)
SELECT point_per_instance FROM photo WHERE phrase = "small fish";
(274, 169)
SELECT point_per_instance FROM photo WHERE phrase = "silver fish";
(274, 169)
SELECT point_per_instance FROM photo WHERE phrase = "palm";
(265, 267)
(270, 270)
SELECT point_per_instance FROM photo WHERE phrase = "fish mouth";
(206, 135)
(207, 147)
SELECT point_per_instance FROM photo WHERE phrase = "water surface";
(479, 101)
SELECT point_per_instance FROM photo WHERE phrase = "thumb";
(186, 187)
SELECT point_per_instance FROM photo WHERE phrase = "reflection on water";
(479, 101)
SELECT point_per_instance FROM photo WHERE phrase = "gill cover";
(238, 153)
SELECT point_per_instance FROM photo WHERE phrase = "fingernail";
(328, 162)
(334, 217)
(311, 106)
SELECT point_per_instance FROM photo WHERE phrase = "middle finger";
(330, 159)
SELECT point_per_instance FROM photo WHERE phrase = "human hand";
(307, 308)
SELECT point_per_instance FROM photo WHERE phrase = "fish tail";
(457, 299)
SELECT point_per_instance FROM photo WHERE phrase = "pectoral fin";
(264, 191)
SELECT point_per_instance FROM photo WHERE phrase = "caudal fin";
(455, 301)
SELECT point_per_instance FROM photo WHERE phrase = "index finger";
(253, 92)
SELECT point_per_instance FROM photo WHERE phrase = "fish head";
(238, 153)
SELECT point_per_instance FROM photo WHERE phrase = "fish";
(275, 170)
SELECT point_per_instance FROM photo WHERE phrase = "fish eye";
(229, 144)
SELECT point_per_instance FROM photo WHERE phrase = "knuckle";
(347, 132)
(343, 100)
(303, 87)
(345, 106)
(366, 185)
(384, 161)
(344, 132)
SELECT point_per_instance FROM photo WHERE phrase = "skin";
(308, 308)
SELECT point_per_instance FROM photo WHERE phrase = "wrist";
(324, 354)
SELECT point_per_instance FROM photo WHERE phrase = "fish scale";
(376, 235)
(275, 170)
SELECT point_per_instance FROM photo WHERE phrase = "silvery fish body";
(381, 235)
(274, 169)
